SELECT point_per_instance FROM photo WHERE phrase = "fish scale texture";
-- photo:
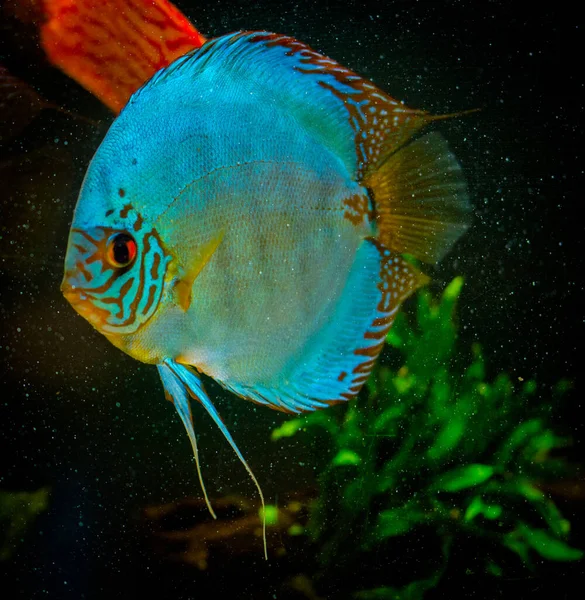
(254, 146)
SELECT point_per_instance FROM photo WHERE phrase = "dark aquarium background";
(87, 429)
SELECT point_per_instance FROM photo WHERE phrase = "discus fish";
(246, 216)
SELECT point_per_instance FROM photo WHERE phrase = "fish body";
(277, 201)
(246, 216)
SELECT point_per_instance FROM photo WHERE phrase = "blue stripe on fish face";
(115, 278)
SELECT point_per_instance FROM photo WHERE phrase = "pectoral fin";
(183, 288)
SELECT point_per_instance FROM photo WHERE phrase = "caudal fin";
(111, 48)
(421, 200)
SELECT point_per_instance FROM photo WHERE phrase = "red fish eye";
(121, 250)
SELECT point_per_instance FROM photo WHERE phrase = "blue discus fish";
(245, 218)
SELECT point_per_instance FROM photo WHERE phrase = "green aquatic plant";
(436, 447)
(18, 511)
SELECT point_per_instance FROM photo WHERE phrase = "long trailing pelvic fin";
(179, 380)
(176, 393)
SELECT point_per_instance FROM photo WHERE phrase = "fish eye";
(121, 250)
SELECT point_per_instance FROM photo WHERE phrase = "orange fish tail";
(111, 48)
(420, 197)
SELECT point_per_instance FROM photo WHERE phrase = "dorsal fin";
(344, 111)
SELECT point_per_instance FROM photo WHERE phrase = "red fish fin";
(111, 48)
(420, 199)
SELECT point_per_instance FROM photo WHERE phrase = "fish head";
(123, 257)
(115, 272)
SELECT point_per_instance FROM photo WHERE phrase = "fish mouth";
(82, 304)
(68, 290)
(72, 294)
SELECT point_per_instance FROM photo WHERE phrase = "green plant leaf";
(346, 457)
(494, 569)
(553, 517)
(453, 290)
(296, 529)
(476, 371)
(392, 414)
(478, 507)
(548, 546)
(526, 489)
(463, 477)
(425, 311)
(393, 338)
(319, 419)
(400, 333)
(287, 429)
(398, 521)
(355, 495)
(435, 444)
(518, 546)
(519, 437)
(270, 513)
(448, 438)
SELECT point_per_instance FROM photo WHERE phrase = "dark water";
(81, 417)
